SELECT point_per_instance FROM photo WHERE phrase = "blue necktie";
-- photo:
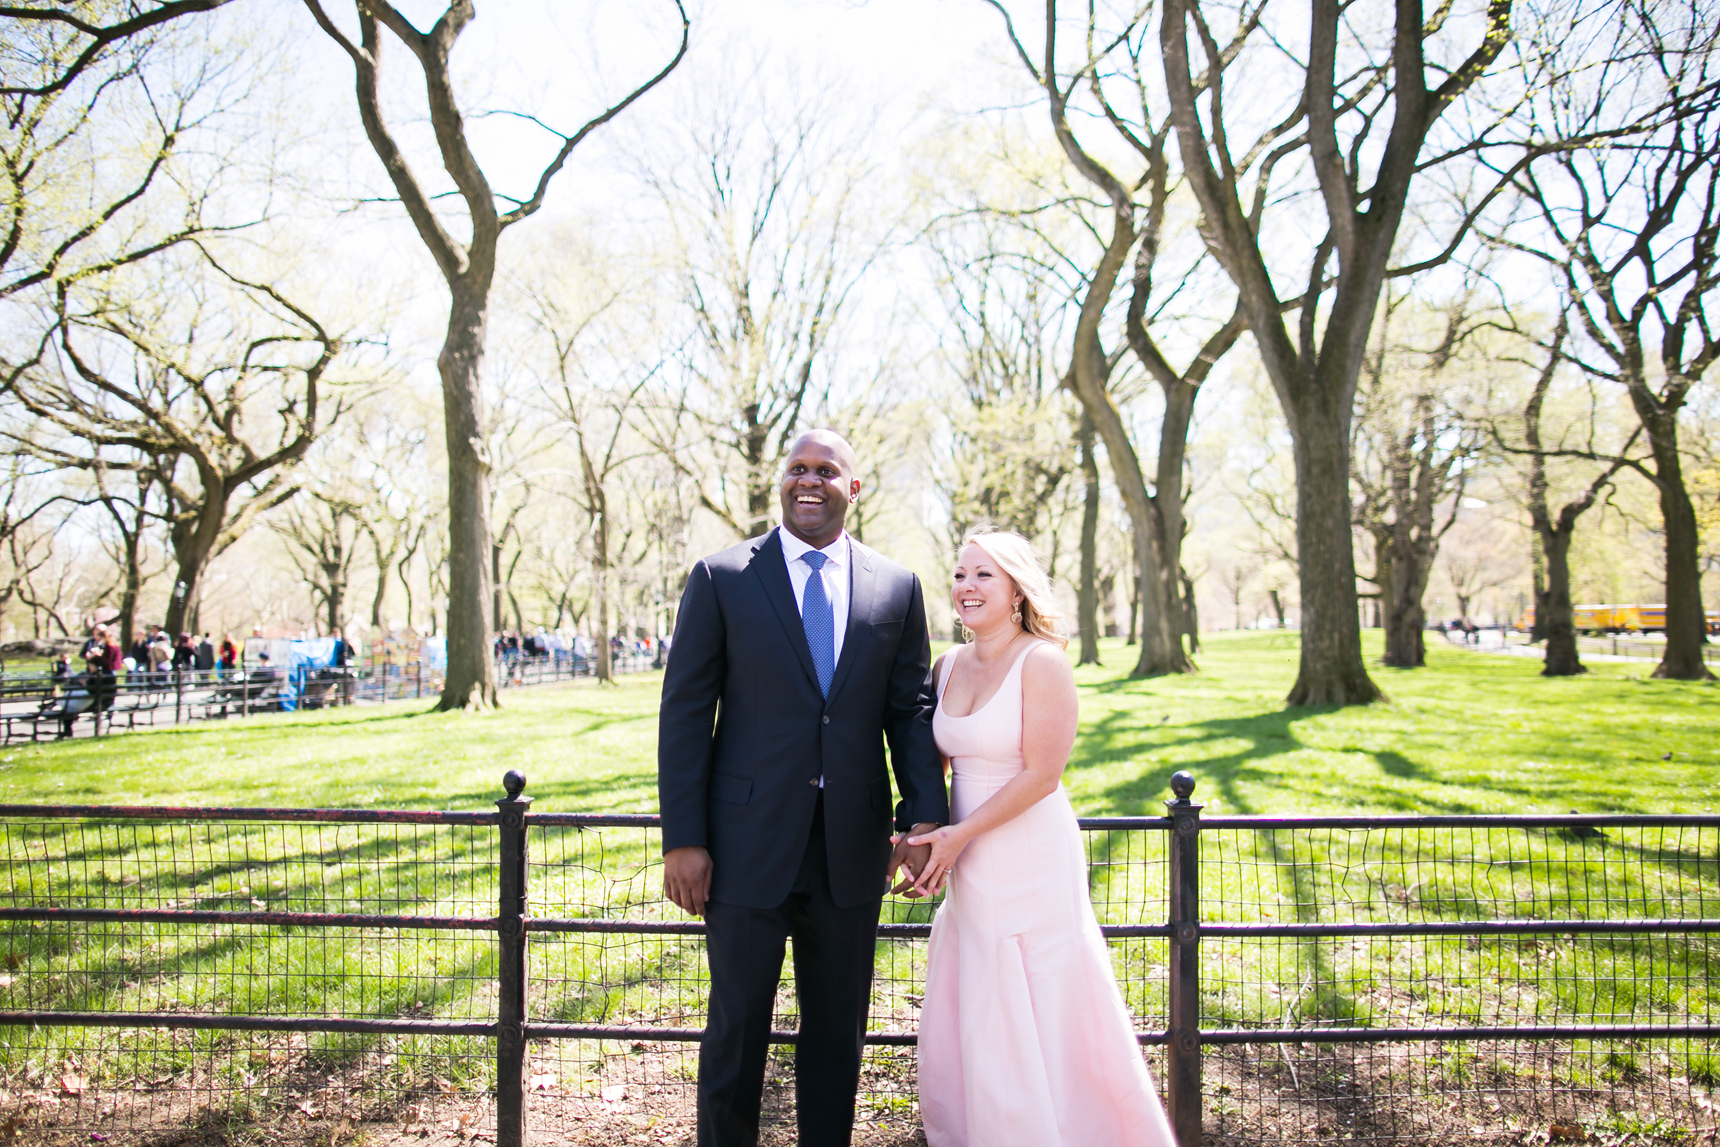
(820, 621)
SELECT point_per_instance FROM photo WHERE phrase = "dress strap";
(949, 668)
(1021, 659)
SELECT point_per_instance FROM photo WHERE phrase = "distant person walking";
(160, 653)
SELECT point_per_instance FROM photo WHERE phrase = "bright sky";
(563, 59)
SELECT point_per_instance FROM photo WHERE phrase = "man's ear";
(853, 491)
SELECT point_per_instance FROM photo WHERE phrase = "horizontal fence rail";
(1294, 979)
(37, 705)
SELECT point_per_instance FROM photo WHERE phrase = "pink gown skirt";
(1024, 1037)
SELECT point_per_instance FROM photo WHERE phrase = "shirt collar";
(793, 549)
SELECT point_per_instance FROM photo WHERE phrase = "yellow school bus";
(1618, 619)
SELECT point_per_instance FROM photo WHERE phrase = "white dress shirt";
(837, 572)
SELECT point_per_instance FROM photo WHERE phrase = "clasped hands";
(927, 852)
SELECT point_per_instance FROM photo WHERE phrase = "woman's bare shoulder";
(1047, 664)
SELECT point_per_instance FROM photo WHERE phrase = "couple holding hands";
(797, 657)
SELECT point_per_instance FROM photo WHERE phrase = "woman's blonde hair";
(1015, 555)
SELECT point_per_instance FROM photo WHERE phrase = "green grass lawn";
(1469, 734)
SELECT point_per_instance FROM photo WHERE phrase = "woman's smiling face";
(984, 596)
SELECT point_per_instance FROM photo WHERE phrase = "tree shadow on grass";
(1118, 737)
(1229, 772)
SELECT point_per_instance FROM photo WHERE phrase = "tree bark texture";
(469, 270)
(1087, 609)
(1538, 586)
(1315, 377)
(1561, 659)
(471, 679)
(1155, 516)
(1331, 671)
(193, 536)
(1191, 613)
(1686, 625)
(1553, 534)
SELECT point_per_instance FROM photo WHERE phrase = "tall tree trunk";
(1134, 607)
(1191, 613)
(1161, 640)
(1087, 612)
(1406, 574)
(1330, 670)
(496, 619)
(1315, 379)
(1277, 607)
(1686, 626)
(193, 539)
(600, 570)
(471, 679)
(132, 588)
(335, 572)
(1538, 585)
(1553, 602)
(1168, 501)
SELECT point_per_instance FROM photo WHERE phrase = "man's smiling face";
(818, 486)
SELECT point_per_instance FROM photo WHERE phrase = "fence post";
(1183, 1060)
(178, 693)
(511, 948)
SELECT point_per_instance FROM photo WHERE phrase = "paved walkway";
(1595, 649)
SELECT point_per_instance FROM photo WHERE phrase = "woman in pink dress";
(1024, 1038)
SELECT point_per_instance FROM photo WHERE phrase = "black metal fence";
(36, 706)
(1294, 979)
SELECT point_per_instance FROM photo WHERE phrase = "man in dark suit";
(796, 657)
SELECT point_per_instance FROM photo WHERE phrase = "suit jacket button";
(813, 781)
(827, 720)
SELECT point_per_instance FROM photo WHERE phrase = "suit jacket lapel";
(772, 570)
(862, 589)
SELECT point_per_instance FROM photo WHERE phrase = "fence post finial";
(1183, 1056)
(511, 952)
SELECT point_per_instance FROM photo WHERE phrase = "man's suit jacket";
(744, 733)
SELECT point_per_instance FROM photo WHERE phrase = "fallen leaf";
(341, 1130)
(1565, 1132)
(71, 1085)
(258, 903)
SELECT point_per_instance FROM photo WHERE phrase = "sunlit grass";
(1470, 734)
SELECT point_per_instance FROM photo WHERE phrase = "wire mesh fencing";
(1418, 978)
(498, 975)
(39, 706)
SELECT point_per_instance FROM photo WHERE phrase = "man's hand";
(687, 878)
(911, 857)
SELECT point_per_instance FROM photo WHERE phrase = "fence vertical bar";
(511, 976)
(1182, 1065)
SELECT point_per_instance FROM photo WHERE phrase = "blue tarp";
(436, 652)
(303, 659)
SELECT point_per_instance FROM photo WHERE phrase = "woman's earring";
(967, 634)
(1016, 616)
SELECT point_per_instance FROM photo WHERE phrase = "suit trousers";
(833, 948)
